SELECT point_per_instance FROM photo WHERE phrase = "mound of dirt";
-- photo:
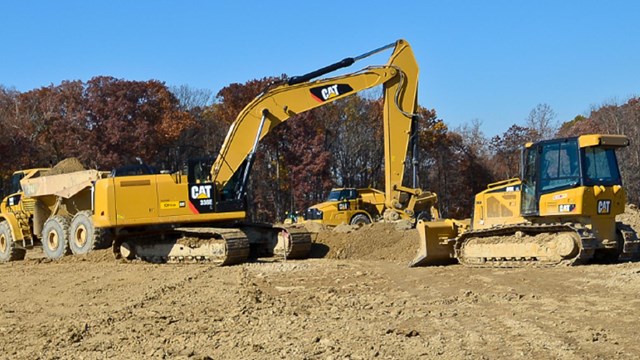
(67, 166)
(377, 241)
(315, 227)
(631, 217)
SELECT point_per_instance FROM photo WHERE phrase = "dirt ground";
(355, 299)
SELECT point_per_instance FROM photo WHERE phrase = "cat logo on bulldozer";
(604, 206)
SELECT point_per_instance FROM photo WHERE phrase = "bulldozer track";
(586, 246)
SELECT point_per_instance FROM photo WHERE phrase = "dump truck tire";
(360, 219)
(83, 236)
(8, 249)
(55, 233)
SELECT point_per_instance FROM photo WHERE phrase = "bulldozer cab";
(561, 164)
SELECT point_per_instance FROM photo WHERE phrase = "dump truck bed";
(63, 185)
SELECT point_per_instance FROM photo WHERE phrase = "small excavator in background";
(561, 211)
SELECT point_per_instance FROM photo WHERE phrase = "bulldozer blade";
(435, 249)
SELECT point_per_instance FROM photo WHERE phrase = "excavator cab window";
(199, 170)
(232, 195)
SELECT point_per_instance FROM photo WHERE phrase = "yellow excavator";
(561, 211)
(199, 215)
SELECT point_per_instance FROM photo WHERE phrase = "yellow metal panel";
(104, 203)
(173, 196)
(606, 140)
(600, 201)
(136, 198)
(499, 204)
(186, 218)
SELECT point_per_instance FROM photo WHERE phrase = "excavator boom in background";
(561, 211)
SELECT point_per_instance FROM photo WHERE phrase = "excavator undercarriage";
(219, 246)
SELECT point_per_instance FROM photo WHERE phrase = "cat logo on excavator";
(201, 191)
(324, 93)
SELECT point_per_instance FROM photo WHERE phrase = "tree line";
(107, 122)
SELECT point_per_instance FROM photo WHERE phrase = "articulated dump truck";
(560, 212)
(53, 210)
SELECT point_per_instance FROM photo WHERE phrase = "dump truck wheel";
(8, 249)
(83, 236)
(54, 237)
(360, 219)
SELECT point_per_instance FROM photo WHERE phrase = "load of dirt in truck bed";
(67, 166)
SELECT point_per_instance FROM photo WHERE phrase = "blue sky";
(487, 60)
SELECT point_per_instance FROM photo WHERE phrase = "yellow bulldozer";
(561, 211)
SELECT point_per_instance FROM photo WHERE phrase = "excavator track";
(537, 245)
(219, 246)
(294, 243)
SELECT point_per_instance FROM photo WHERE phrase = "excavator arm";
(399, 78)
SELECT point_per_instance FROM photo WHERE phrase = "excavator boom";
(298, 94)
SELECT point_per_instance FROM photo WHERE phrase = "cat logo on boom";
(324, 93)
